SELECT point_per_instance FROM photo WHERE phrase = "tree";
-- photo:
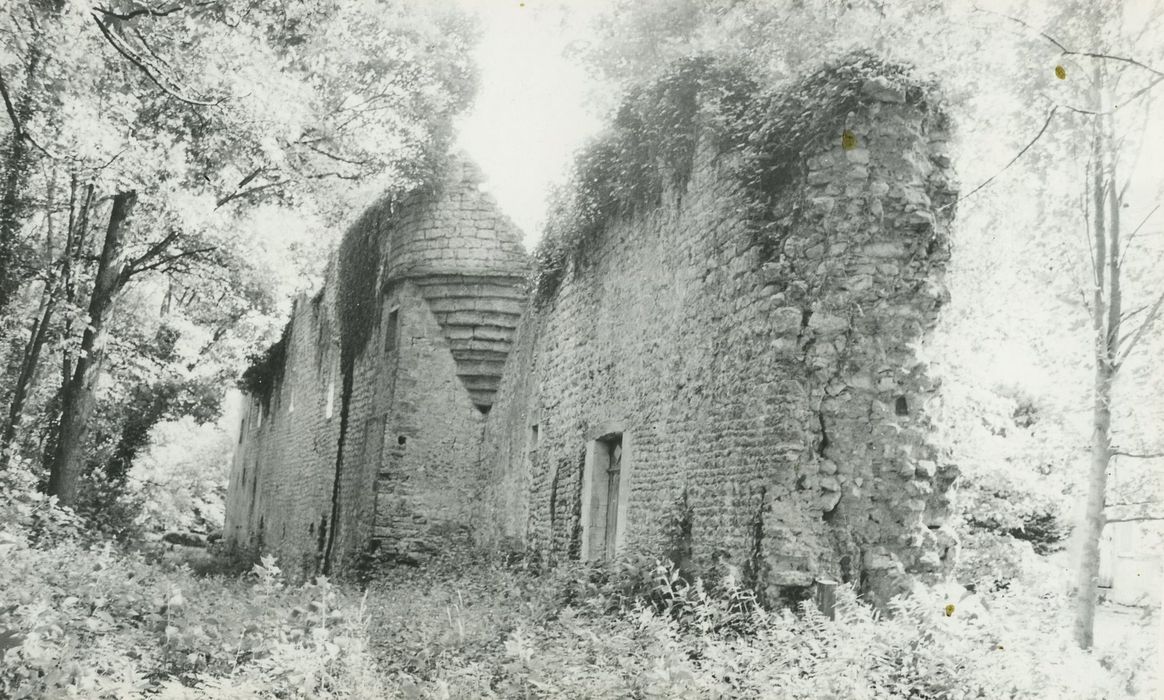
(169, 123)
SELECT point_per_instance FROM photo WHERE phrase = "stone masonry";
(772, 392)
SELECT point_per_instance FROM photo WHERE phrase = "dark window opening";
(483, 408)
(322, 542)
(401, 440)
(901, 406)
(391, 330)
(533, 437)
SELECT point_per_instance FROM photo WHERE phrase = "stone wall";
(694, 385)
(767, 392)
(409, 411)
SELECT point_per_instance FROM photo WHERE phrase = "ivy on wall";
(651, 146)
(266, 370)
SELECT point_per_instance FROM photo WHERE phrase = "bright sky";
(532, 109)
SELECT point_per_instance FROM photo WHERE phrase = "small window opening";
(901, 406)
(401, 440)
(329, 407)
(533, 437)
(391, 330)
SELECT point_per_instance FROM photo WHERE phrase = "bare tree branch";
(153, 76)
(247, 193)
(1131, 455)
(1140, 331)
(1135, 231)
(140, 12)
(1070, 52)
(333, 156)
(168, 260)
(17, 127)
(987, 181)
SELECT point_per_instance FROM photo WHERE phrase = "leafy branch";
(155, 75)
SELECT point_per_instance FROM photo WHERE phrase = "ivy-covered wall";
(741, 296)
(364, 430)
(726, 315)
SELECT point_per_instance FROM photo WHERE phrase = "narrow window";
(391, 330)
(533, 437)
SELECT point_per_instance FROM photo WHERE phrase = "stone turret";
(469, 264)
(365, 437)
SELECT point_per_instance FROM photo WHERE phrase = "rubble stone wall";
(772, 395)
(447, 295)
(693, 385)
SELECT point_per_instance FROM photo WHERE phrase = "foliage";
(89, 621)
(86, 619)
(358, 262)
(261, 378)
(180, 481)
(651, 146)
(571, 632)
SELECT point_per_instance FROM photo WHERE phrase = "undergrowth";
(90, 621)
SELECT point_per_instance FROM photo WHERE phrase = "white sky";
(532, 111)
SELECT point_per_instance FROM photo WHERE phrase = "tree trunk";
(79, 393)
(1106, 327)
(40, 327)
(17, 165)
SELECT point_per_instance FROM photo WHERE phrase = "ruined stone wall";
(768, 391)
(381, 457)
(279, 497)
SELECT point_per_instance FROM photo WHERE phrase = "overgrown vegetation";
(650, 148)
(79, 617)
(265, 371)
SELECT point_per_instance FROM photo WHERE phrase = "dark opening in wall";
(401, 440)
(901, 406)
(322, 534)
(390, 331)
(483, 408)
(533, 437)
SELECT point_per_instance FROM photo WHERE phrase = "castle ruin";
(736, 352)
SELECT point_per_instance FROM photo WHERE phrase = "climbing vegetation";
(762, 133)
(262, 376)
